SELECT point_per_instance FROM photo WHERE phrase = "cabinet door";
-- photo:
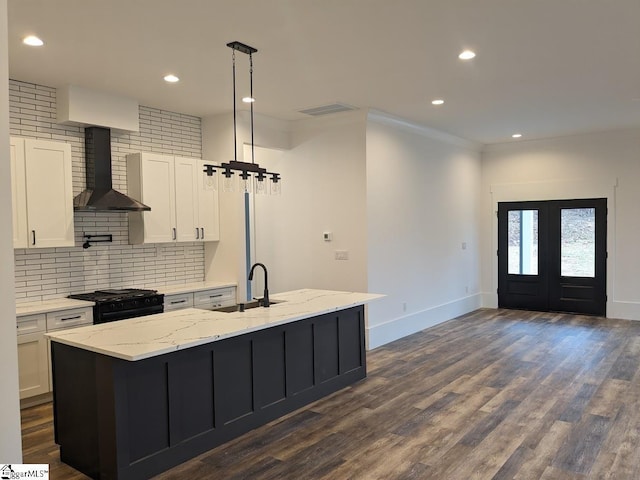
(18, 193)
(209, 220)
(158, 192)
(33, 365)
(186, 177)
(49, 193)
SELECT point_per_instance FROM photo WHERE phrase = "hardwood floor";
(495, 394)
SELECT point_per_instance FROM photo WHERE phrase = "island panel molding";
(121, 419)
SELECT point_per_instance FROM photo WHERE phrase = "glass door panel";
(523, 242)
(577, 242)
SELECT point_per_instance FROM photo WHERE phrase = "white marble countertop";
(144, 337)
(55, 305)
(191, 287)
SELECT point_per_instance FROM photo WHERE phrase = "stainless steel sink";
(241, 307)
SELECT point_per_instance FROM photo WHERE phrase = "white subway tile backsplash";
(50, 273)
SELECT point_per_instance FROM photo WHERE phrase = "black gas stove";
(111, 305)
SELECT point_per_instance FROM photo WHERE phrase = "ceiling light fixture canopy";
(252, 172)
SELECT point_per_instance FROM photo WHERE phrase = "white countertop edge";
(47, 306)
(157, 349)
(256, 328)
(191, 287)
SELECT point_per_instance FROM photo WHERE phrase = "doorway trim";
(553, 190)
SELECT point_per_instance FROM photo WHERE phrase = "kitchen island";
(136, 397)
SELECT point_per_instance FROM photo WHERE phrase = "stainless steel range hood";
(99, 194)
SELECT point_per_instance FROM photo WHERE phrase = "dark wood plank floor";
(496, 394)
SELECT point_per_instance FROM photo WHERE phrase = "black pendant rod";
(235, 139)
(253, 160)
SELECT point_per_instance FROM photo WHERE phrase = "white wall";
(400, 199)
(324, 189)
(605, 164)
(422, 205)
(10, 439)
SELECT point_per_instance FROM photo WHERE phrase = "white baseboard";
(383, 333)
(489, 300)
(623, 310)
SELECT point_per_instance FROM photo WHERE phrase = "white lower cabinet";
(178, 301)
(65, 320)
(205, 299)
(33, 358)
(34, 349)
(214, 298)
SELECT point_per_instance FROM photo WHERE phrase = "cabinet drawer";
(178, 301)
(218, 297)
(32, 324)
(69, 318)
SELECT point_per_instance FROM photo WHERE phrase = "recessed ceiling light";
(32, 41)
(171, 78)
(437, 102)
(516, 135)
(248, 99)
(467, 55)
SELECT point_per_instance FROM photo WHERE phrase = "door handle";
(202, 234)
(175, 233)
(197, 233)
(34, 237)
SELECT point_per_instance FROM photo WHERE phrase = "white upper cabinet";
(172, 187)
(42, 193)
(186, 176)
(18, 193)
(208, 212)
(150, 179)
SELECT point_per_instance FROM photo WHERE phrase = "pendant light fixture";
(249, 174)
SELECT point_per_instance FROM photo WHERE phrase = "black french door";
(552, 255)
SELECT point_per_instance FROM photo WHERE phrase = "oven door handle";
(124, 314)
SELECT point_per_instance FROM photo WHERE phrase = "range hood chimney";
(99, 194)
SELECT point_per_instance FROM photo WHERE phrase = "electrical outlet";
(341, 255)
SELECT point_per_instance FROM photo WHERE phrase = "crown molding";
(416, 128)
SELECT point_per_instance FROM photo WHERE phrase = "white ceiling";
(543, 68)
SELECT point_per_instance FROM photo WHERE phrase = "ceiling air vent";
(327, 109)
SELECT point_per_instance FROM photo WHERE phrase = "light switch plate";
(342, 255)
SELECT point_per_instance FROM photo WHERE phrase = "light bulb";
(260, 186)
(276, 187)
(228, 184)
(245, 183)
